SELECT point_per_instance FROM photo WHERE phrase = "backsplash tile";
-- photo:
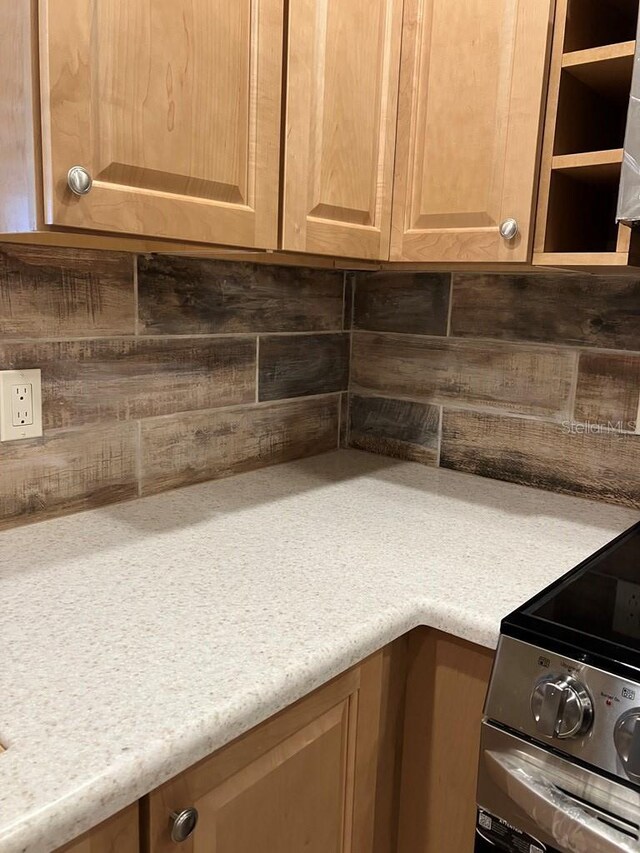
(95, 381)
(208, 368)
(48, 292)
(598, 311)
(539, 377)
(403, 302)
(398, 428)
(559, 457)
(529, 380)
(142, 403)
(192, 447)
(608, 390)
(66, 471)
(193, 296)
(300, 365)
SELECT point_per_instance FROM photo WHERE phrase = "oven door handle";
(559, 816)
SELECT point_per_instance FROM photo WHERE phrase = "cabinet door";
(119, 834)
(342, 90)
(173, 107)
(304, 780)
(469, 126)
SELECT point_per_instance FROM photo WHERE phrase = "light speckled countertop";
(138, 638)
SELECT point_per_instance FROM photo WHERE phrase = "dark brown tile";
(200, 446)
(182, 296)
(609, 390)
(402, 302)
(92, 382)
(588, 310)
(397, 428)
(51, 292)
(300, 365)
(560, 457)
(521, 379)
(67, 471)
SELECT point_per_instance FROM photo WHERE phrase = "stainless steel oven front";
(532, 800)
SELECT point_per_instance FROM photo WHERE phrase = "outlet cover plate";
(8, 380)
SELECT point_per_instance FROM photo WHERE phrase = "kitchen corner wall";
(529, 378)
(159, 372)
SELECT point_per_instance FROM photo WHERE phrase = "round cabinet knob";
(183, 823)
(626, 736)
(509, 229)
(561, 707)
(79, 180)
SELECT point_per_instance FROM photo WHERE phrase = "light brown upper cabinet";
(472, 82)
(342, 90)
(172, 107)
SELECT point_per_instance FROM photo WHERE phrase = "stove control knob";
(626, 736)
(561, 707)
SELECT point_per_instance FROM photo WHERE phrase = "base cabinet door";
(173, 109)
(469, 124)
(119, 834)
(303, 781)
(342, 91)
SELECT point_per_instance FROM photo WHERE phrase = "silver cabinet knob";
(626, 736)
(79, 180)
(509, 229)
(561, 707)
(183, 823)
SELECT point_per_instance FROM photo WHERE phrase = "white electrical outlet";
(20, 404)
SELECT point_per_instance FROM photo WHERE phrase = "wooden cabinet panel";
(447, 681)
(173, 106)
(304, 780)
(469, 123)
(342, 88)
(119, 834)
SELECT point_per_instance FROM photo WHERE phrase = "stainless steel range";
(560, 750)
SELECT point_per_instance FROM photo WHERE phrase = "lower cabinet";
(380, 760)
(119, 834)
(304, 780)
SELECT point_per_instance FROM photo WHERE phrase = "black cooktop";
(592, 613)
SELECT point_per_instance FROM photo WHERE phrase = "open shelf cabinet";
(589, 87)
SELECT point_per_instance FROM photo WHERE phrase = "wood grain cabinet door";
(469, 125)
(173, 107)
(342, 91)
(303, 781)
(119, 834)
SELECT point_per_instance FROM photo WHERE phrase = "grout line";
(638, 418)
(136, 303)
(139, 458)
(339, 421)
(450, 306)
(440, 419)
(257, 379)
(573, 390)
(118, 338)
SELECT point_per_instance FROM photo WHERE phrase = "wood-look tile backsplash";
(163, 371)
(529, 378)
(160, 372)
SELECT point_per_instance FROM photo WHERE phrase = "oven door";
(532, 801)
